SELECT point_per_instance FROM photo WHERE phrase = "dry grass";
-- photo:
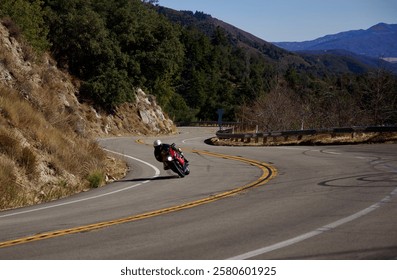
(40, 150)
(8, 144)
(309, 140)
(18, 112)
(11, 147)
(45, 147)
(8, 188)
(12, 194)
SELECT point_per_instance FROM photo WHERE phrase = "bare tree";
(276, 110)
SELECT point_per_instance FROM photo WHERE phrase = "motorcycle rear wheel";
(177, 168)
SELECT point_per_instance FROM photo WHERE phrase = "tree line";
(344, 100)
(115, 46)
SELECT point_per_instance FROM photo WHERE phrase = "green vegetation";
(96, 179)
(194, 67)
(29, 19)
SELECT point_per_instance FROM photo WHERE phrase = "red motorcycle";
(175, 161)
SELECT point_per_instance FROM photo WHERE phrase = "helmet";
(156, 143)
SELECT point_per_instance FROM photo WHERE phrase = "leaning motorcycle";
(175, 161)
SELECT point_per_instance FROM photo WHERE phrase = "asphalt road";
(325, 202)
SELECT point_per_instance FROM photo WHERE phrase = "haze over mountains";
(378, 41)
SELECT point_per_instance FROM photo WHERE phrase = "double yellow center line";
(268, 172)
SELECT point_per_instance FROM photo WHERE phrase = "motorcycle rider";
(159, 147)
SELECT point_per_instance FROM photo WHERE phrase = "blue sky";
(293, 20)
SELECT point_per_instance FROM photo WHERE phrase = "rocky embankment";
(47, 147)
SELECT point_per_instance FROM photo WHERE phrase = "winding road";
(297, 202)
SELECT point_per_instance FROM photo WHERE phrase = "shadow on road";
(150, 178)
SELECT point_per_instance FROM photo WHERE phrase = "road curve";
(327, 202)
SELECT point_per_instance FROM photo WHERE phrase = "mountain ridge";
(208, 24)
(378, 41)
(283, 57)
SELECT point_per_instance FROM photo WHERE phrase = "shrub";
(96, 179)
(110, 89)
(12, 27)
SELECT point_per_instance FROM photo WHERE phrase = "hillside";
(331, 60)
(192, 63)
(208, 25)
(354, 62)
(47, 147)
(377, 41)
(374, 47)
(285, 55)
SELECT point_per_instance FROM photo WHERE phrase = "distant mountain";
(379, 41)
(342, 61)
(315, 64)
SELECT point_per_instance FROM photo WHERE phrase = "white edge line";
(157, 173)
(190, 139)
(315, 232)
(331, 153)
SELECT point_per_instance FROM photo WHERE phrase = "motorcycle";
(173, 159)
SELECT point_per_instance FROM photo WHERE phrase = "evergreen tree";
(29, 17)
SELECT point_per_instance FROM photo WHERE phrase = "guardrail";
(248, 137)
(207, 123)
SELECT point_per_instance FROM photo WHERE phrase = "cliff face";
(46, 133)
